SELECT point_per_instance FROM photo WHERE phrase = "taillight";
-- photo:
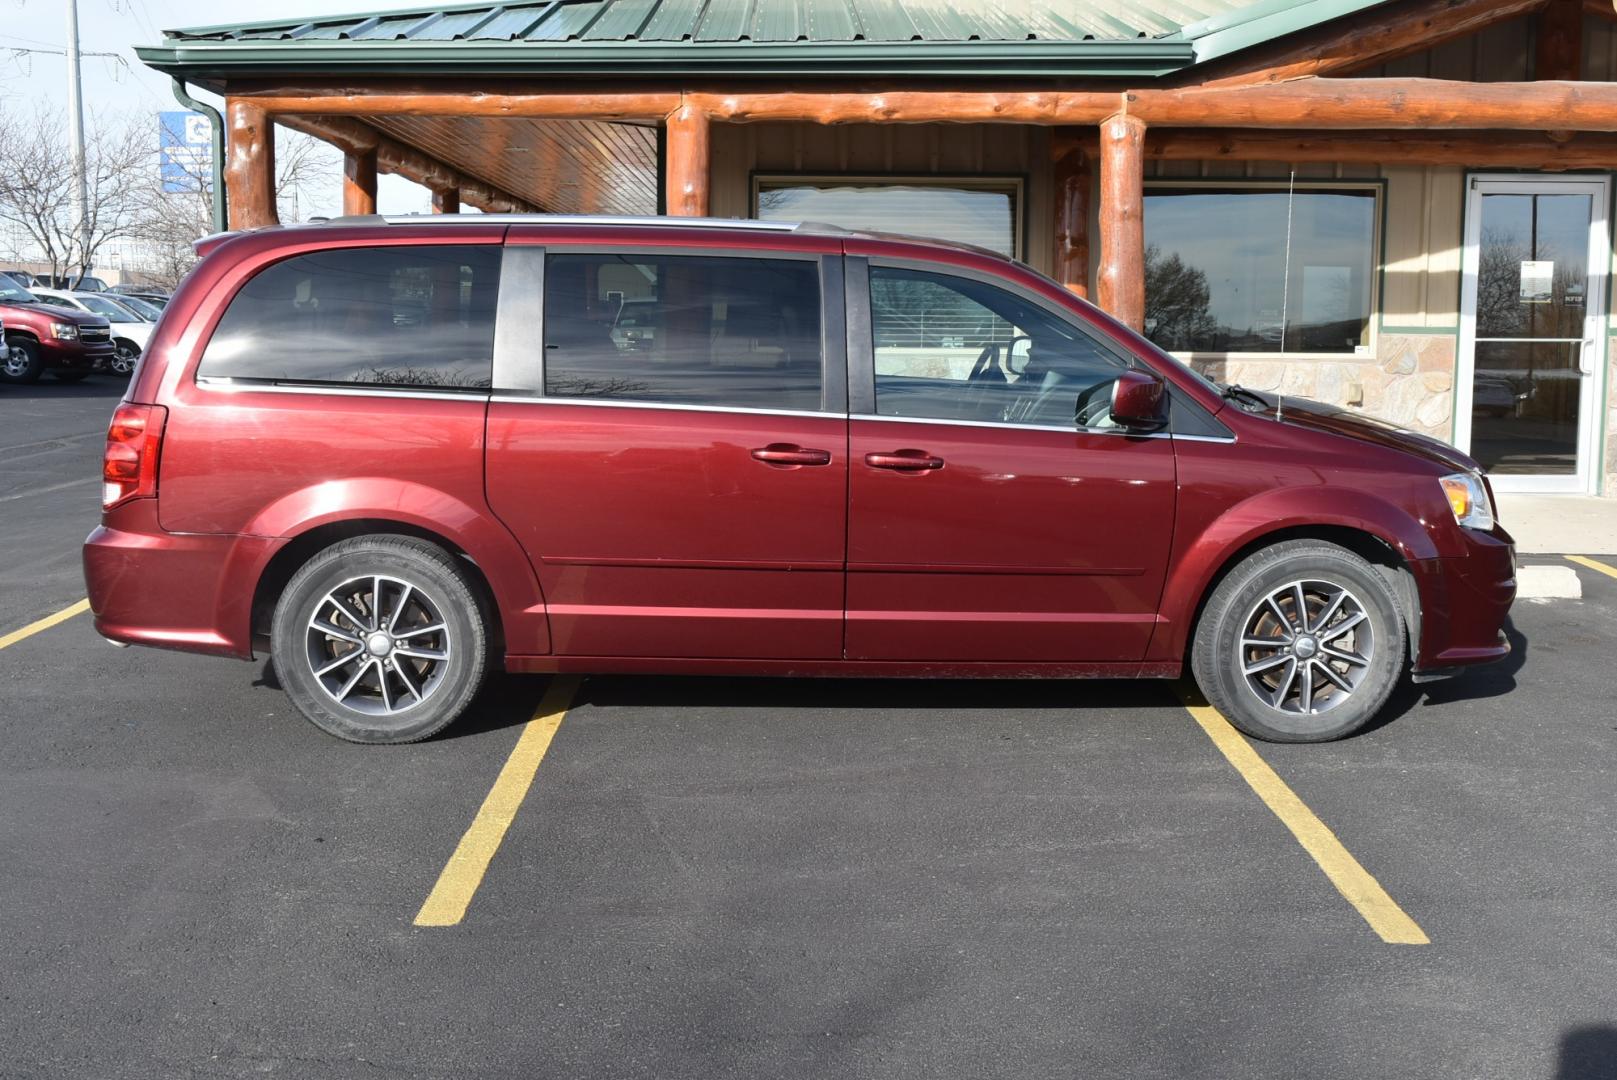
(129, 467)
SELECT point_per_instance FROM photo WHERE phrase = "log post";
(1121, 288)
(1559, 49)
(250, 165)
(686, 168)
(1071, 166)
(446, 200)
(359, 182)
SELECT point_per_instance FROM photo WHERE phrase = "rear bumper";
(187, 591)
(1464, 601)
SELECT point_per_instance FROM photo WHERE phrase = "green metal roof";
(960, 38)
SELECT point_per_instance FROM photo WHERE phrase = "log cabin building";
(1399, 206)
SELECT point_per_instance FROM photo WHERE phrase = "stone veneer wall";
(1410, 381)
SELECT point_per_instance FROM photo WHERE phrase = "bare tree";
(37, 184)
(172, 221)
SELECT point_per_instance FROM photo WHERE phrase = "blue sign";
(185, 152)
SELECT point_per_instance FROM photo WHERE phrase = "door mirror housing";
(1137, 401)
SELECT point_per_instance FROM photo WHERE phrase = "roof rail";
(576, 219)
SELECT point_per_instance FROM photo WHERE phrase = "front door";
(1532, 337)
(995, 513)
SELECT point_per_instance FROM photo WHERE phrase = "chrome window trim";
(219, 384)
(1037, 427)
(618, 403)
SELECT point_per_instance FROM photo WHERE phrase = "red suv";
(399, 453)
(40, 336)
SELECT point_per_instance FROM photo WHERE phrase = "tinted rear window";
(682, 329)
(385, 316)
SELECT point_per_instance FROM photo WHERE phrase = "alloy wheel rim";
(378, 645)
(123, 362)
(1306, 647)
(16, 363)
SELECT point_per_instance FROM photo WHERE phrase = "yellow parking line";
(1593, 564)
(44, 624)
(1355, 884)
(446, 904)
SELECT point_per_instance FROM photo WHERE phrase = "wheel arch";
(278, 570)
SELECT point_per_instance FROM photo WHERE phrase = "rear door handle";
(904, 461)
(791, 454)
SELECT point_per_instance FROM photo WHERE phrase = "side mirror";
(1137, 401)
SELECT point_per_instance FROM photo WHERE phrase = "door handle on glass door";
(1586, 357)
(904, 461)
(791, 455)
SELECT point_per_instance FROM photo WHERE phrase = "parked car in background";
(21, 277)
(150, 293)
(130, 330)
(67, 342)
(87, 283)
(329, 453)
(148, 311)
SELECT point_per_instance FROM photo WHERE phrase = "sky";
(117, 26)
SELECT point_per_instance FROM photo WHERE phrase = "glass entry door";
(1532, 330)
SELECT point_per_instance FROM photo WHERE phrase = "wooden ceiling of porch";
(563, 166)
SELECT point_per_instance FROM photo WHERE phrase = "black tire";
(442, 591)
(1233, 675)
(24, 365)
(68, 376)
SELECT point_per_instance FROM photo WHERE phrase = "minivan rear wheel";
(380, 639)
(1302, 642)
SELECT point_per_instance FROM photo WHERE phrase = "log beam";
(1361, 41)
(1558, 48)
(1121, 285)
(1070, 153)
(687, 166)
(446, 200)
(359, 182)
(1605, 9)
(1468, 148)
(1324, 104)
(250, 165)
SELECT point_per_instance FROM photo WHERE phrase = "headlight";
(64, 331)
(1468, 498)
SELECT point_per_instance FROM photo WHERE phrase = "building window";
(1261, 268)
(983, 211)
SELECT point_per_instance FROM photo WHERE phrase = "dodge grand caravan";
(398, 453)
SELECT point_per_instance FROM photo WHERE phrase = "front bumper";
(1464, 601)
(75, 356)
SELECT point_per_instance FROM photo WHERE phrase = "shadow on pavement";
(1588, 1053)
(109, 387)
(1487, 681)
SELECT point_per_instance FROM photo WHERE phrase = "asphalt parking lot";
(749, 878)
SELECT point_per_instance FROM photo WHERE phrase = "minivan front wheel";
(380, 639)
(1302, 642)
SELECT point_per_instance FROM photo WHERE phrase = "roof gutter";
(1142, 57)
(221, 214)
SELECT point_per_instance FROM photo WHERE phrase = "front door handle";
(790, 454)
(904, 461)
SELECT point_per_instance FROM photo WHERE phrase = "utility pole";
(75, 108)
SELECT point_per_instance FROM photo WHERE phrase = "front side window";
(683, 330)
(409, 317)
(953, 348)
(1260, 269)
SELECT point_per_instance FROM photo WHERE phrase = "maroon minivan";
(397, 453)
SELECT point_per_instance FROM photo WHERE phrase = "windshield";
(149, 312)
(12, 293)
(114, 311)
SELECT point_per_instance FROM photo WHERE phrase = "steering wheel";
(988, 357)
